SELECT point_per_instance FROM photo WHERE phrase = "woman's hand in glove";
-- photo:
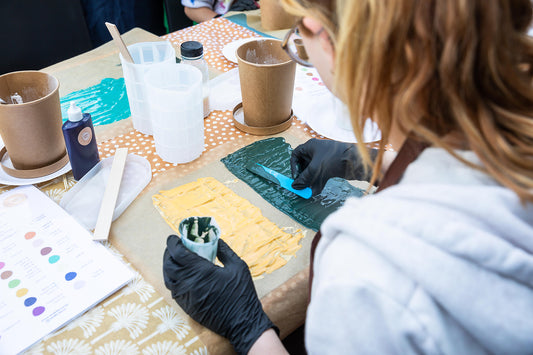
(317, 160)
(222, 299)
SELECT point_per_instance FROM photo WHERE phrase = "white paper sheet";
(50, 269)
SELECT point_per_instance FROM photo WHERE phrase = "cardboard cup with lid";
(31, 130)
(266, 75)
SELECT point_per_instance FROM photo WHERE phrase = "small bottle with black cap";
(192, 53)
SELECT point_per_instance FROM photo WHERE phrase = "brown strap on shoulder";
(408, 153)
(314, 243)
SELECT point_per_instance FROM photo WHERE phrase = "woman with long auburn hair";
(440, 259)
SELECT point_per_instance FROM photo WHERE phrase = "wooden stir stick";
(107, 208)
(113, 30)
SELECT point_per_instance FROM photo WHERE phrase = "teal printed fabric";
(107, 102)
(275, 153)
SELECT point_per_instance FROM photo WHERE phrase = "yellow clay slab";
(262, 244)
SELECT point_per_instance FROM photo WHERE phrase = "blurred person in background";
(203, 10)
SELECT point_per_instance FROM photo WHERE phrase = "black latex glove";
(317, 160)
(222, 299)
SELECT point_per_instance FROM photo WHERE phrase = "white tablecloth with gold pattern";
(135, 320)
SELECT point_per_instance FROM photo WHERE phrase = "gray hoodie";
(441, 263)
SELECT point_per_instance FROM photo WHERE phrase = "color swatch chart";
(50, 269)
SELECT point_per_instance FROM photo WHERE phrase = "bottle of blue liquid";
(80, 141)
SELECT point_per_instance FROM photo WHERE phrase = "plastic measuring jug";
(146, 55)
(176, 108)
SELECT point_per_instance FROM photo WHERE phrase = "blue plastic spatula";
(277, 178)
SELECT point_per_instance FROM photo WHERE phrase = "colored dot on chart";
(46, 251)
(13, 283)
(53, 259)
(30, 301)
(70, 276)
(6, 275)
(38, 311)
(22, 292)
(29, 235)
(2, 264)
(79, 284)
(37, 243)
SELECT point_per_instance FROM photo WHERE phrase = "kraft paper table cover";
(281, 298)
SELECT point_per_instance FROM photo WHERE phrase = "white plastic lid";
(74, 112)
(84, 199)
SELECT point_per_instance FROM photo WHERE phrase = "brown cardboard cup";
(31, 131)
(266, 75)
(274, 17)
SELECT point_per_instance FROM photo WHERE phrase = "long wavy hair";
(438, 68)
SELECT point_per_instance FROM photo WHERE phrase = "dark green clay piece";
(275, 153)
(199, 229)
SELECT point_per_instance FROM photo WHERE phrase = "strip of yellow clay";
(262, 244)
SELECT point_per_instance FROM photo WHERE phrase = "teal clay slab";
(275, 153)
(107, 102)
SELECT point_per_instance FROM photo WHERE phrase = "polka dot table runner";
(214, 35)
(218, 127)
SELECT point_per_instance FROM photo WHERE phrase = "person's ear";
(312, 25)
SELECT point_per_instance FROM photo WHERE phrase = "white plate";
(327, 127)
(7, 179)
(229, 49)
